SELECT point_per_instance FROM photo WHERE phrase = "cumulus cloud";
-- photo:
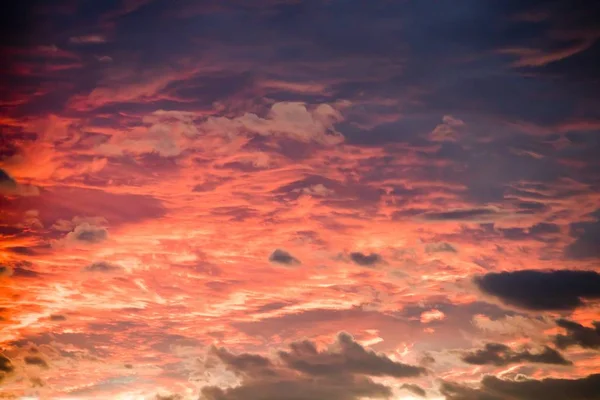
(84, 231)
(450, 130)
(492, 388)
(441, 247)
(542, 290)
(282, 257)
(291, 120)
(578, 335)
(341, 372)
(499, 354)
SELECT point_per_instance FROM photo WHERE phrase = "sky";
(300, 200)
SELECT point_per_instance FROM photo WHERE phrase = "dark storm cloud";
(57, 317)
(492, 388)
(303, 372)
(499, 354)
(578, 335)
(587, 239)
(90, 234)
(283, 257)
(366, 260)
(36, 360)
(542, 290)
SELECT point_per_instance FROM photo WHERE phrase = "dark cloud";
(587, 239)
(168, 397)
(499, 354)
(6, 367)
(5, 270)
(349, 358)
(102, 266)
(36, 360)
(492, 388)
(90, 234)
(366, 260)
(542, 290)
(57, 317)
(304, 373)
(578, 335)
(414, 389)
(283, 257)
(475, 214)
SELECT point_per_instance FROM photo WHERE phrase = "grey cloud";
(492, 388)
(474, 214)
(283, 257)
(102, 266)
(542, 290)
(499, 354)
(366, 260)
(578, 335)
(587, 240)
(304, 373)
(36, 360)
(414, 389)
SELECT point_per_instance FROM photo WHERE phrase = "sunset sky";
(300, 200)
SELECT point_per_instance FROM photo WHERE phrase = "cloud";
(102, 266)
(5, 270)
(432, 315)
(492, 388)
(542, 290)
(450, 130)
(36, 360)
(87, 39)
(291, 120)
(283, 257)
(10, 187)
(587, 239)
(414, 389)
(441, 247)
(341, 372)
(472, 214)
(578, 335)
(366, 260)
(6, 367)
(85, 232)
(499, 354)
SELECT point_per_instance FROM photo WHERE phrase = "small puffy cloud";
(10, 187)
(291, 120)
(102, 266)
(432, 315)
(578, 335)
(450, 130)
(366, 260)
(499, 354)
(87, 39)
(36, 360)
(542, 290)
(84, 231)
(282, 257)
